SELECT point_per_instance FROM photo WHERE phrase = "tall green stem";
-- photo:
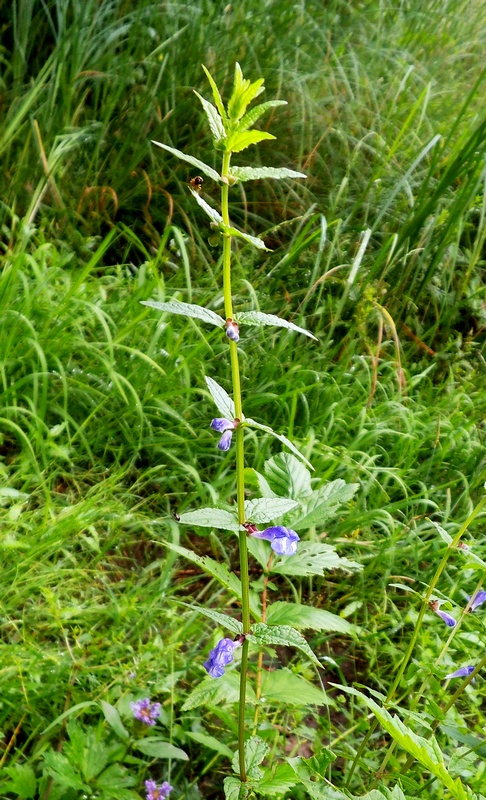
(240, 464)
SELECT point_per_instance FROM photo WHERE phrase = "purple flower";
(450, 621)
(226, 427)
(463, 672)
(220, 657)
(155, 792)
(477, 600)
(283, 541)
(232, 330)
(145, 711)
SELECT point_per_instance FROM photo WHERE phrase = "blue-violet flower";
(155, 792)
(226, 427)
(145, 711)
(463, 672)
(449, 621)
(220, 657)
(477, 600)
(232, 330)
(283, 541)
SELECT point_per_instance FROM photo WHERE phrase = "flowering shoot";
(145, 711)
(226, 427)
(477, 600)
(463, 672)
(155, 792)
(435, 607)
(220, 657)
(283, 541)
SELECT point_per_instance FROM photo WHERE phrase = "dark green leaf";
(156, 748)
(302, 617)
(288, 477)
(282, 686)
(281, 635)
(211, 743)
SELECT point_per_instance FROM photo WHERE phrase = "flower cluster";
(155, 792)
(220, 657)
(226, 427)
(145, 711)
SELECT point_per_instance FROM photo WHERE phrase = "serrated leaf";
(195, 162)
(426, 751)
(215, 122)
(220, 572)
(254, 240)
(256, 173)
(276, 782)
(266, 510)
(59, 768)
(23, 781)
(233, 789)
(258, 318)
(186, 310)
(243, 93)
(224, 620)
(323, 503)
(211, 518)
(282, 686)
(236, 142)
(267, 429)
(302, 617)
(213, 215)
(210, 742)
(156, 748)
(282, 635)
(255, 751)
(255, 113)
(288, 477)
(313, 558)
(223, 401)
(113, 719)
(223, 691)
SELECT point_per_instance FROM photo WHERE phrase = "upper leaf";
(243, 93)
(266, 510)
(267, 429)
(281, 635)
(224, 620)
(236, 142)
(200, 165)
(255, 173)
(288, 477)
(224, 403)
(313, 558)
(255, 113)
(321, 505)
(215, 122)
(211, 518)
(258, 318)
(216, 95)
(186, 310)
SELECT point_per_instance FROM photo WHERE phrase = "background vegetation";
(104, 416)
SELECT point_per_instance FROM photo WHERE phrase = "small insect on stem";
(196, 183)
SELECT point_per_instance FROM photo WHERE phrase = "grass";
(104, 416)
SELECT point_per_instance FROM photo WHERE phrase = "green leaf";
(234, 789)
(257, 318)
(200, 165)
(218, 692)
(186, 310)
(223, 401)
(243, 93)
(211, 518)
(446, 537)
(214, 118)
(313, 558)
(254, 240)
(113, 719)
(255, 173)
(156, 748)
(59, 768)
(288, 477)
(211, 743)
(283, 635)
(282, 686)
(323, 503)
(236, 142)
(277, 781)
(216, 95)
(255, 113)
(224, 620)
(267, 429)
(302, 617)
(311, 772)
(23, 782)
(255, 751)
(426, 751)
(266, 510)
(114, 778)
(213, 215)
(220, 572)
